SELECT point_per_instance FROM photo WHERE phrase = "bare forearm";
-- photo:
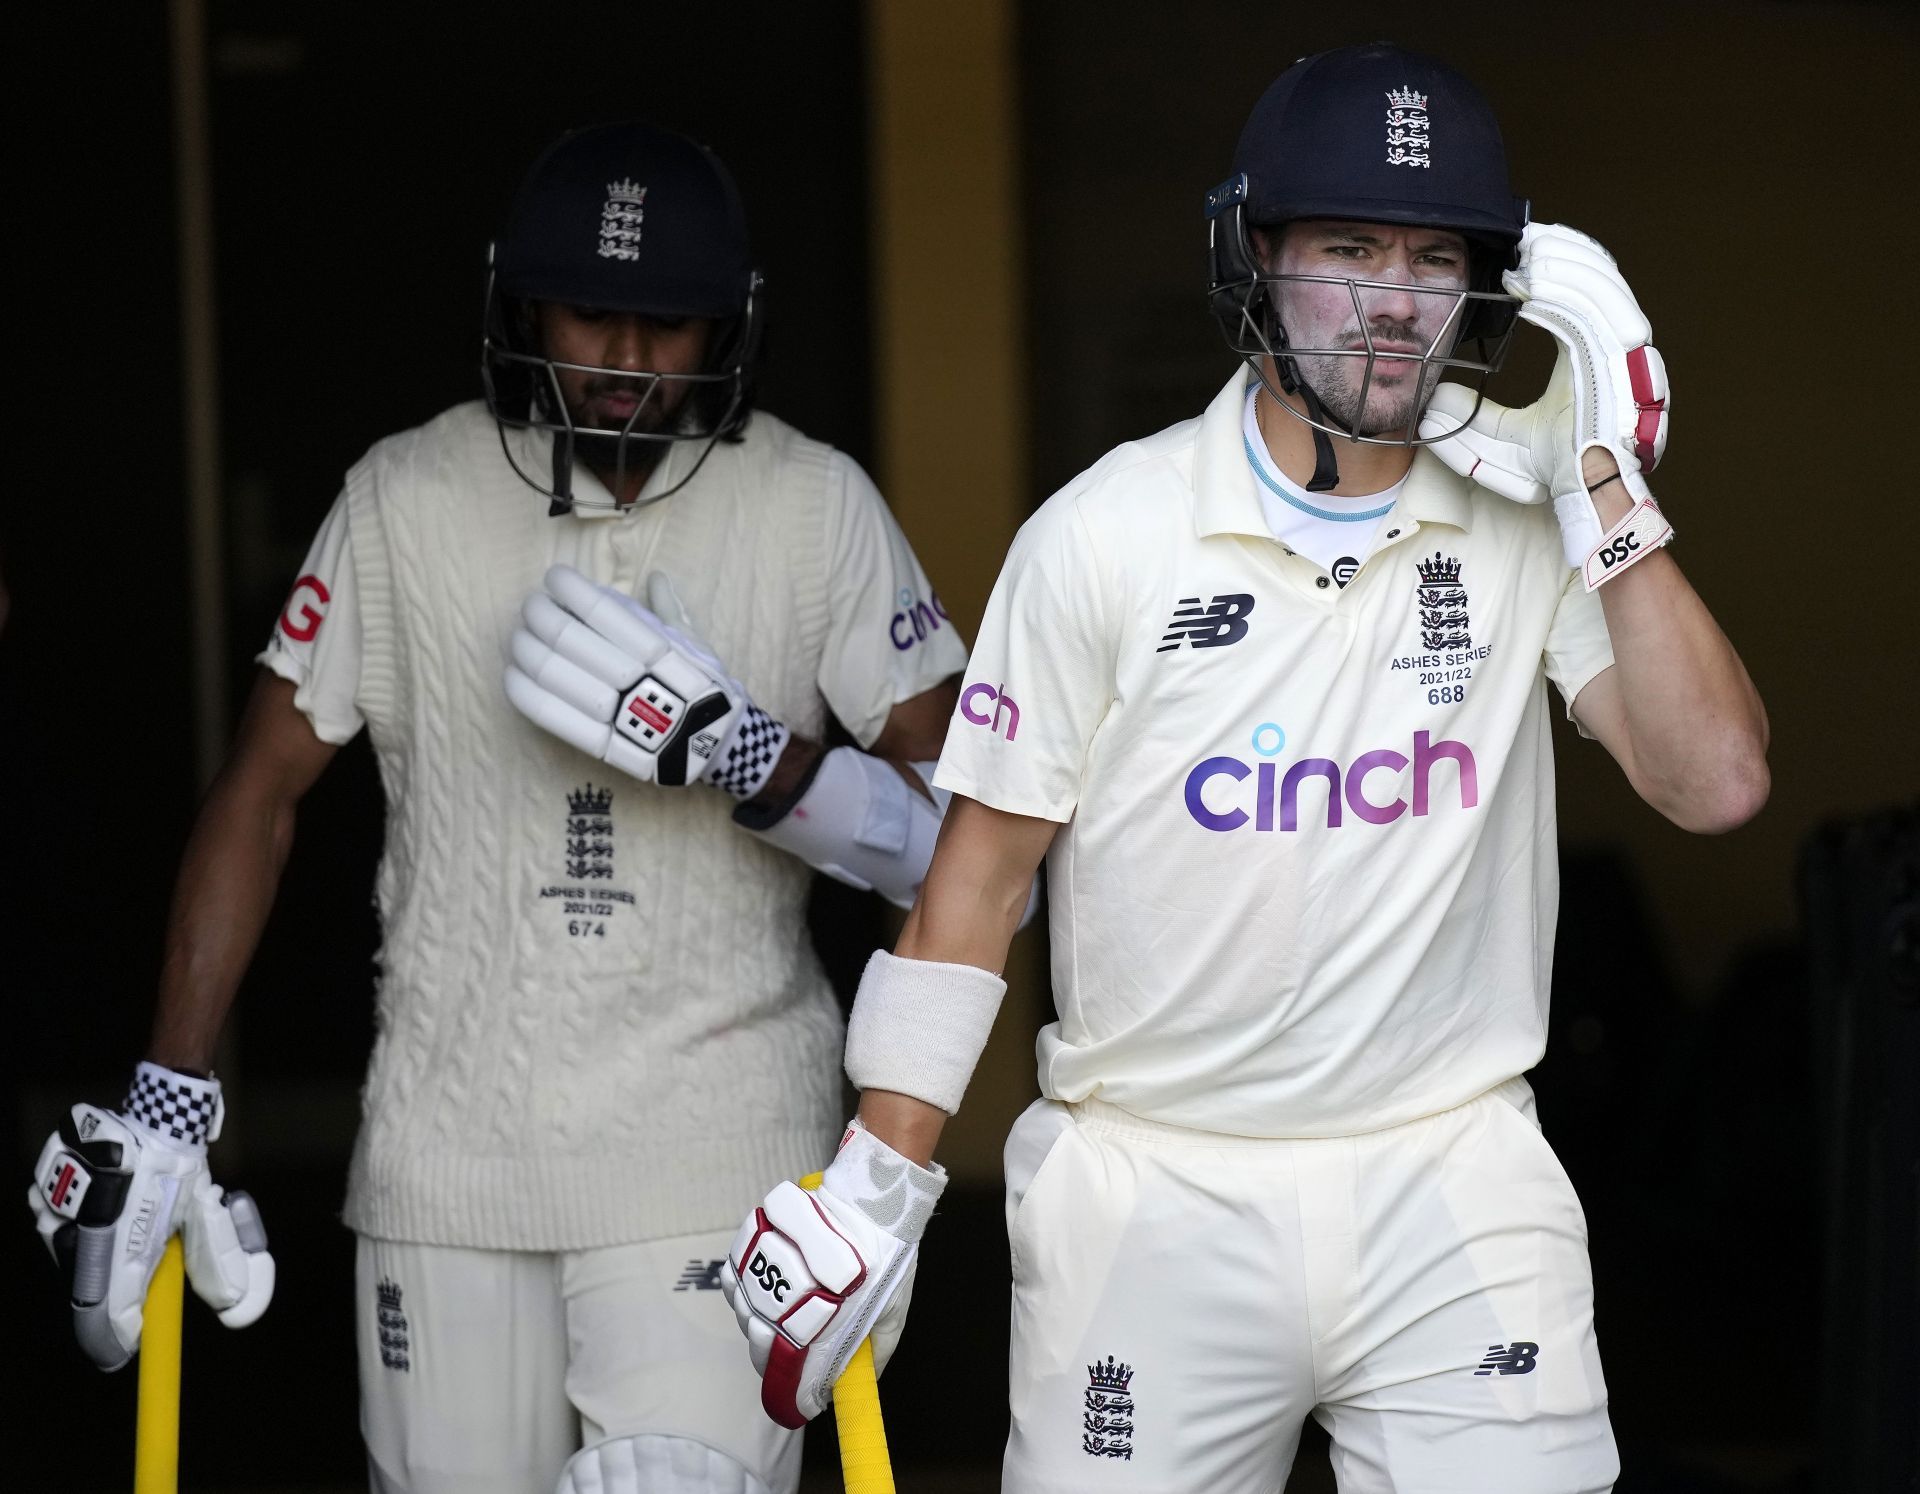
(911, 1127)
(1693, 713)
(963, 917)
(225, 891)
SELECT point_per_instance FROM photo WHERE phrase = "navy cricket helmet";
(635, 219)
(1375, 134)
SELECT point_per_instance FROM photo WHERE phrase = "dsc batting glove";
(1608, 390)
(810, 1275)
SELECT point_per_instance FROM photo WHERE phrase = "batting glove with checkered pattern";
(112, 1187)
(636, 689)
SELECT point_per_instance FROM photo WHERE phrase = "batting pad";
(655, 1464)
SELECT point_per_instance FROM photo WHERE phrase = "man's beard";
(608, 447)
(1389, 411)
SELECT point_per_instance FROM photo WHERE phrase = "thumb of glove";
(665, 603)
(1471, 442)
(226, 1247)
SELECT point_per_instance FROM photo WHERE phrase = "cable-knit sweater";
(600, 1018)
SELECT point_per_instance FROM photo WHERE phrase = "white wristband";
(918, 1027)
(1600, 556)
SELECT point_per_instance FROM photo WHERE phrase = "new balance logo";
(1214, 625)
(700, 1276)
(1515, 1358)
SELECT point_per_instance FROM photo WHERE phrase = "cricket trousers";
(482, 1371)
(1182, 1301)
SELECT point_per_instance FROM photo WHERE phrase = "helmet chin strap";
(562, 500)
(1326, 471)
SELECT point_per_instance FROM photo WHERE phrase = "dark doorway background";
(1745, 162)
(362, 158)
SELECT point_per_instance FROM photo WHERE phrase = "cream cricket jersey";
(1307, 881)
(600, 1019)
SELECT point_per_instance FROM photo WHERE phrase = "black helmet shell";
(628, 217)
(1382, 135)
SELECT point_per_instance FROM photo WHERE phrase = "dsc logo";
(1214, 807)
(1004, 720)
(1619, 550)
(768, 1275)
(916, 619)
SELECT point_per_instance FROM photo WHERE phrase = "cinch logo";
(1004, 710)
(310, 616)
(916, 619)
(1348, 784)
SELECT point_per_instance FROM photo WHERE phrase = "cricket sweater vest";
(600, 1018)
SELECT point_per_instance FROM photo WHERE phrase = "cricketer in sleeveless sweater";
(600, 1017)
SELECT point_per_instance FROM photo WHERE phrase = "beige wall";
(950, 382)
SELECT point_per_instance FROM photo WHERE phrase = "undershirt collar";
(1333, 532)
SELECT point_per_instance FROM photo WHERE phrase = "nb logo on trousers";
(768, 1275)
(1516, 1358)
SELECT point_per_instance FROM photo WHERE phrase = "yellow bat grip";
(864, 1465)
(156, 1436)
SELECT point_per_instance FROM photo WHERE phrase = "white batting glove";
(111, 1188)
(810, 1275)
(1608, 389)
(628, 686)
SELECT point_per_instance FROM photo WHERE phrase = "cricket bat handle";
(864, 1465)
(156, 1436)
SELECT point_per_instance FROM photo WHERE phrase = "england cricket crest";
(1407, 141)
(1107, 1422)
(1443, 604)
(396, 1346)
(590, 833)
(620, 219)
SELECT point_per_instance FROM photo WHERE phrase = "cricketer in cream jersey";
(1340, 798)
(596, 628)
(578, 967)
(1269, 693)
(527, 927)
